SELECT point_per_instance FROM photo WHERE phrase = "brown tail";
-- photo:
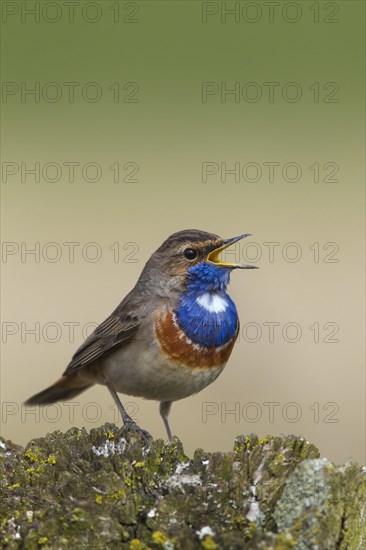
(63, 389)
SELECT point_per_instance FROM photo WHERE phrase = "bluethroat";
(169, 338)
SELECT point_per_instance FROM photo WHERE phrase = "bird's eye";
(190, 253)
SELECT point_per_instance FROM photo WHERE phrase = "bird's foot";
(133, 427)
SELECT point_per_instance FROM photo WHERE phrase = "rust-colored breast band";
(180, 349)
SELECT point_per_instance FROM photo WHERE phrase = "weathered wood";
(108, 489)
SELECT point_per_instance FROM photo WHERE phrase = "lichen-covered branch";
(109, 489)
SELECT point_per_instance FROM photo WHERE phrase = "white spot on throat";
(214, 303)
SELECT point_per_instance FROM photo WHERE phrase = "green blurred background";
(163, 128)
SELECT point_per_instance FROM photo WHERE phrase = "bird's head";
(193, 256)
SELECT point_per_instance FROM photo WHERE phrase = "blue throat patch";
(205, 311)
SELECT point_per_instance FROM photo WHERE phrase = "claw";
(133, 427)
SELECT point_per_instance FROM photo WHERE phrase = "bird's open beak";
(214, 255)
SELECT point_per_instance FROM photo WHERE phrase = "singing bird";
(169, 338)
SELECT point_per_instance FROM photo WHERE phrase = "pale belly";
(147, 373)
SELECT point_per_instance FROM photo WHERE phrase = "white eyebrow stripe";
(214, 303)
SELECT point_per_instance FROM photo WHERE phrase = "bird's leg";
(164, 412)
(127, 420)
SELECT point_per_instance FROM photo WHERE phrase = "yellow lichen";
(98, 499)
(161, 539)
(117, 495)
(32, 455)
(240, 521)
(78, 515)
(284, 543)
(136, 544)
(251, 529)
(208, 543)
(248, 442)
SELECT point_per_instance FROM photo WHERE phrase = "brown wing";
(117, 329)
